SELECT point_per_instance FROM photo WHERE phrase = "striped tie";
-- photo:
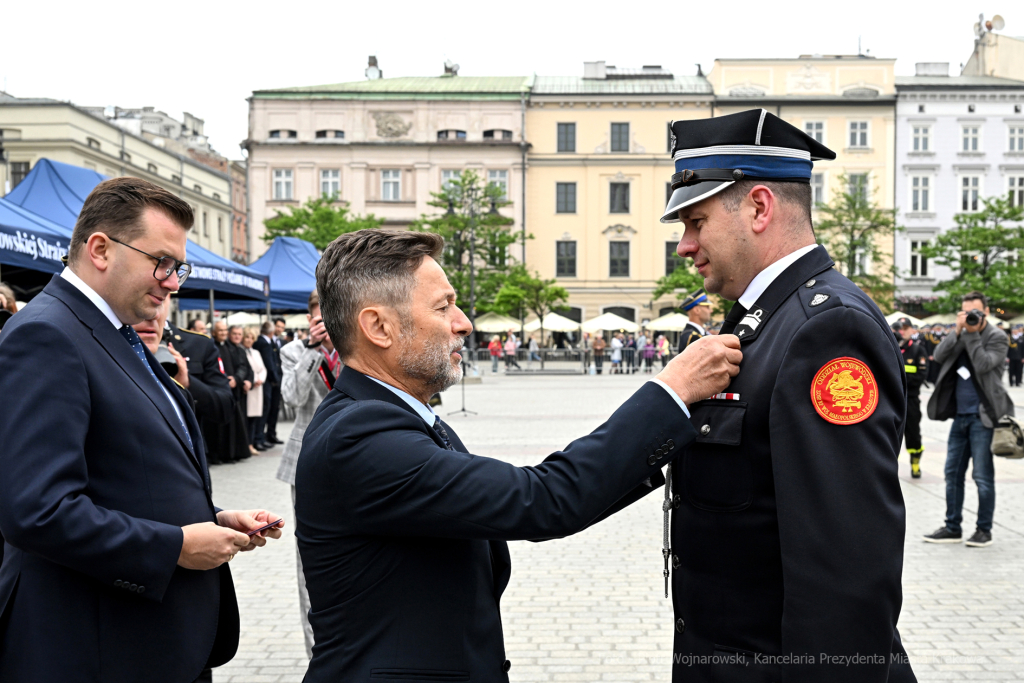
(133, 339)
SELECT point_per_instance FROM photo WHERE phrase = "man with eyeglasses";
(115, 555)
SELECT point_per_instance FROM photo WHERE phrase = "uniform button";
(676, 500)
(660, 452)
(680, 625)
(506, 666)
(675, 561)
(142, 589)
(653, 460)
(134, 587)
(705, 430)
(810, 283)
(117, 584)
(671, 444)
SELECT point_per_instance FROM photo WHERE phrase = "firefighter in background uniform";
(915, 364)
(1015, 355)
(698, 310)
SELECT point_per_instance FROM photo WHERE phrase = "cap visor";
(691, 194)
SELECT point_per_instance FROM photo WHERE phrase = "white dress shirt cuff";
(673, 394)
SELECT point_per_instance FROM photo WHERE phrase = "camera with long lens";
(163, 355)
(974, 317)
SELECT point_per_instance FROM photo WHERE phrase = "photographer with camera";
(969, 389)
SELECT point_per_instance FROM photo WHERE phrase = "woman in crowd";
(510, 353)
(664, 350)
(598, 345)
(254, 398)
(495, 348)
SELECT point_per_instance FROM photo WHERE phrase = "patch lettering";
(844, 391)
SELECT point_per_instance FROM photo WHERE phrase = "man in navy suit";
(267, 348)
(115, 560)
(401, 531)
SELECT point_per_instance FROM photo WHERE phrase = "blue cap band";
(696, 302)
(756, 166)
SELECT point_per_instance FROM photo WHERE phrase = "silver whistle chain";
(666, 507)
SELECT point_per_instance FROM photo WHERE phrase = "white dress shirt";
(422, 409)
(109, 314)
(767, 276)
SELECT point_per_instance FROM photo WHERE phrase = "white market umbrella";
(896, 315)
(1019, 320)
(243, 318)
(609, 321)
(671, 322)
(296, 322)
(495, 322)
(553, 323)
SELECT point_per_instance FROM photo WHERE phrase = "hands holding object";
(208, 545)
(704, 368)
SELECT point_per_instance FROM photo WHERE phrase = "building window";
(918, 261)
(330, 182)
(282, 183)
(817, 189)
(220, 228)
(920, 199)
(622, 311)
(859, 134)
(447, 176)
(672, 260)
(618, 259)
(619, 198)
(330, 134)
(816, 129)
(1016, 190)
(858, 186)
(92, 142)
(176, 179)
(565, 197)
(391, 185)
(922, 138)
(620, 137)
(451, 135)
(969, 189)
(1017, 138)
(499, 178)
(216, 197)
(565, 259)
(151, 168)
(125, 156)
(206, 226)
(567, 137)
(283, 133)
(970, 108)
(497, 134)
(920, 109)
(969, 138)
(18, 170)
(198, 188)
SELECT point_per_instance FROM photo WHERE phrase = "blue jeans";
(968, 438)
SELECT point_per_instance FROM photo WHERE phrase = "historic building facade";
(599, 169)
(384, 144)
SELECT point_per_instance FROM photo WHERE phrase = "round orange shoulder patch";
(844, 391)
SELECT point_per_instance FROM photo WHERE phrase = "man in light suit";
(402, 532)
(308, 370)
(115, 566)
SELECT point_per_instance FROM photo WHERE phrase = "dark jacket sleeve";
(840, 508)
(210, 388)
(373, 469)
(243, 371)
(45, 504)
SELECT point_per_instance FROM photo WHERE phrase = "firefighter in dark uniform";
(698, 310)
(915, 365)
(1015, 355)
(208, 384)
(787, 519)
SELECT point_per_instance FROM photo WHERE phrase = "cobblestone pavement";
(590, 607)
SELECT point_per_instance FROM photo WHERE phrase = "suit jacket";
(986, 358)
(98, 481)
(403, 542)
(267, 350)
(302, 387)
(690, 334)
(788, 527)
(207, 384)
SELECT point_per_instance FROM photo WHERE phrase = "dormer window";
(497, 134)
(282, 133)
(330, 135)
(451, 134)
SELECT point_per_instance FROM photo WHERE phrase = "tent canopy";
(896, 315)
(291, 265)
(552, 323)
(671, 322)
(55, 192)
(609, 321)
(940, 319)
(31, 241)
(494, 323)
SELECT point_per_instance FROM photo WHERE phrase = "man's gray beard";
(430, 364)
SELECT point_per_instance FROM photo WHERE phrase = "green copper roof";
(412, 87)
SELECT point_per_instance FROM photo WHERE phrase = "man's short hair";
(365, 268)
(975, 296)
(794, 194)
(267, 329)
(115, 206)
(280, 320)
(192, 325)
(232, 328)
(314, 300)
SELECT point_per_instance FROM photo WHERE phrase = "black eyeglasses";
(165, 265)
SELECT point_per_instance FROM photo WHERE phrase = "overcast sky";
(206, 58)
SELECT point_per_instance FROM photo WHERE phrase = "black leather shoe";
(274, 440)
(943, 535)
(980, 539)
(261, 446)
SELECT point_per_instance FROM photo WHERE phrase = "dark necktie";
(132, 337)
(736, 314)
(439, 428)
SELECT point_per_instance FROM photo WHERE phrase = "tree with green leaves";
(983, 253)
(468, 202)
(679, 283)
(320, 221)
(524, 293)
(853, 229)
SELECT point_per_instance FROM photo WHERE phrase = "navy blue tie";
(442, 433)
(132, 337)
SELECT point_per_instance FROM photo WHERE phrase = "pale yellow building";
(597, 183)
(32, 129)
(846, 102)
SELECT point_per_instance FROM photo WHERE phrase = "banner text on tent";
(38, 247)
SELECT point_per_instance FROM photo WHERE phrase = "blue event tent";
(30, 241)
(291, 265)
(56, 191)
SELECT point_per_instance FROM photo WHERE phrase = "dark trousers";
(275, 408)
(912, 428)
(253, 424)
(599, 360)
(969, 440)
(1016, 370)
(261, 428)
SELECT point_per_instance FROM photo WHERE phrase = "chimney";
(931, 69)
(594, 70)
(373, 72)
